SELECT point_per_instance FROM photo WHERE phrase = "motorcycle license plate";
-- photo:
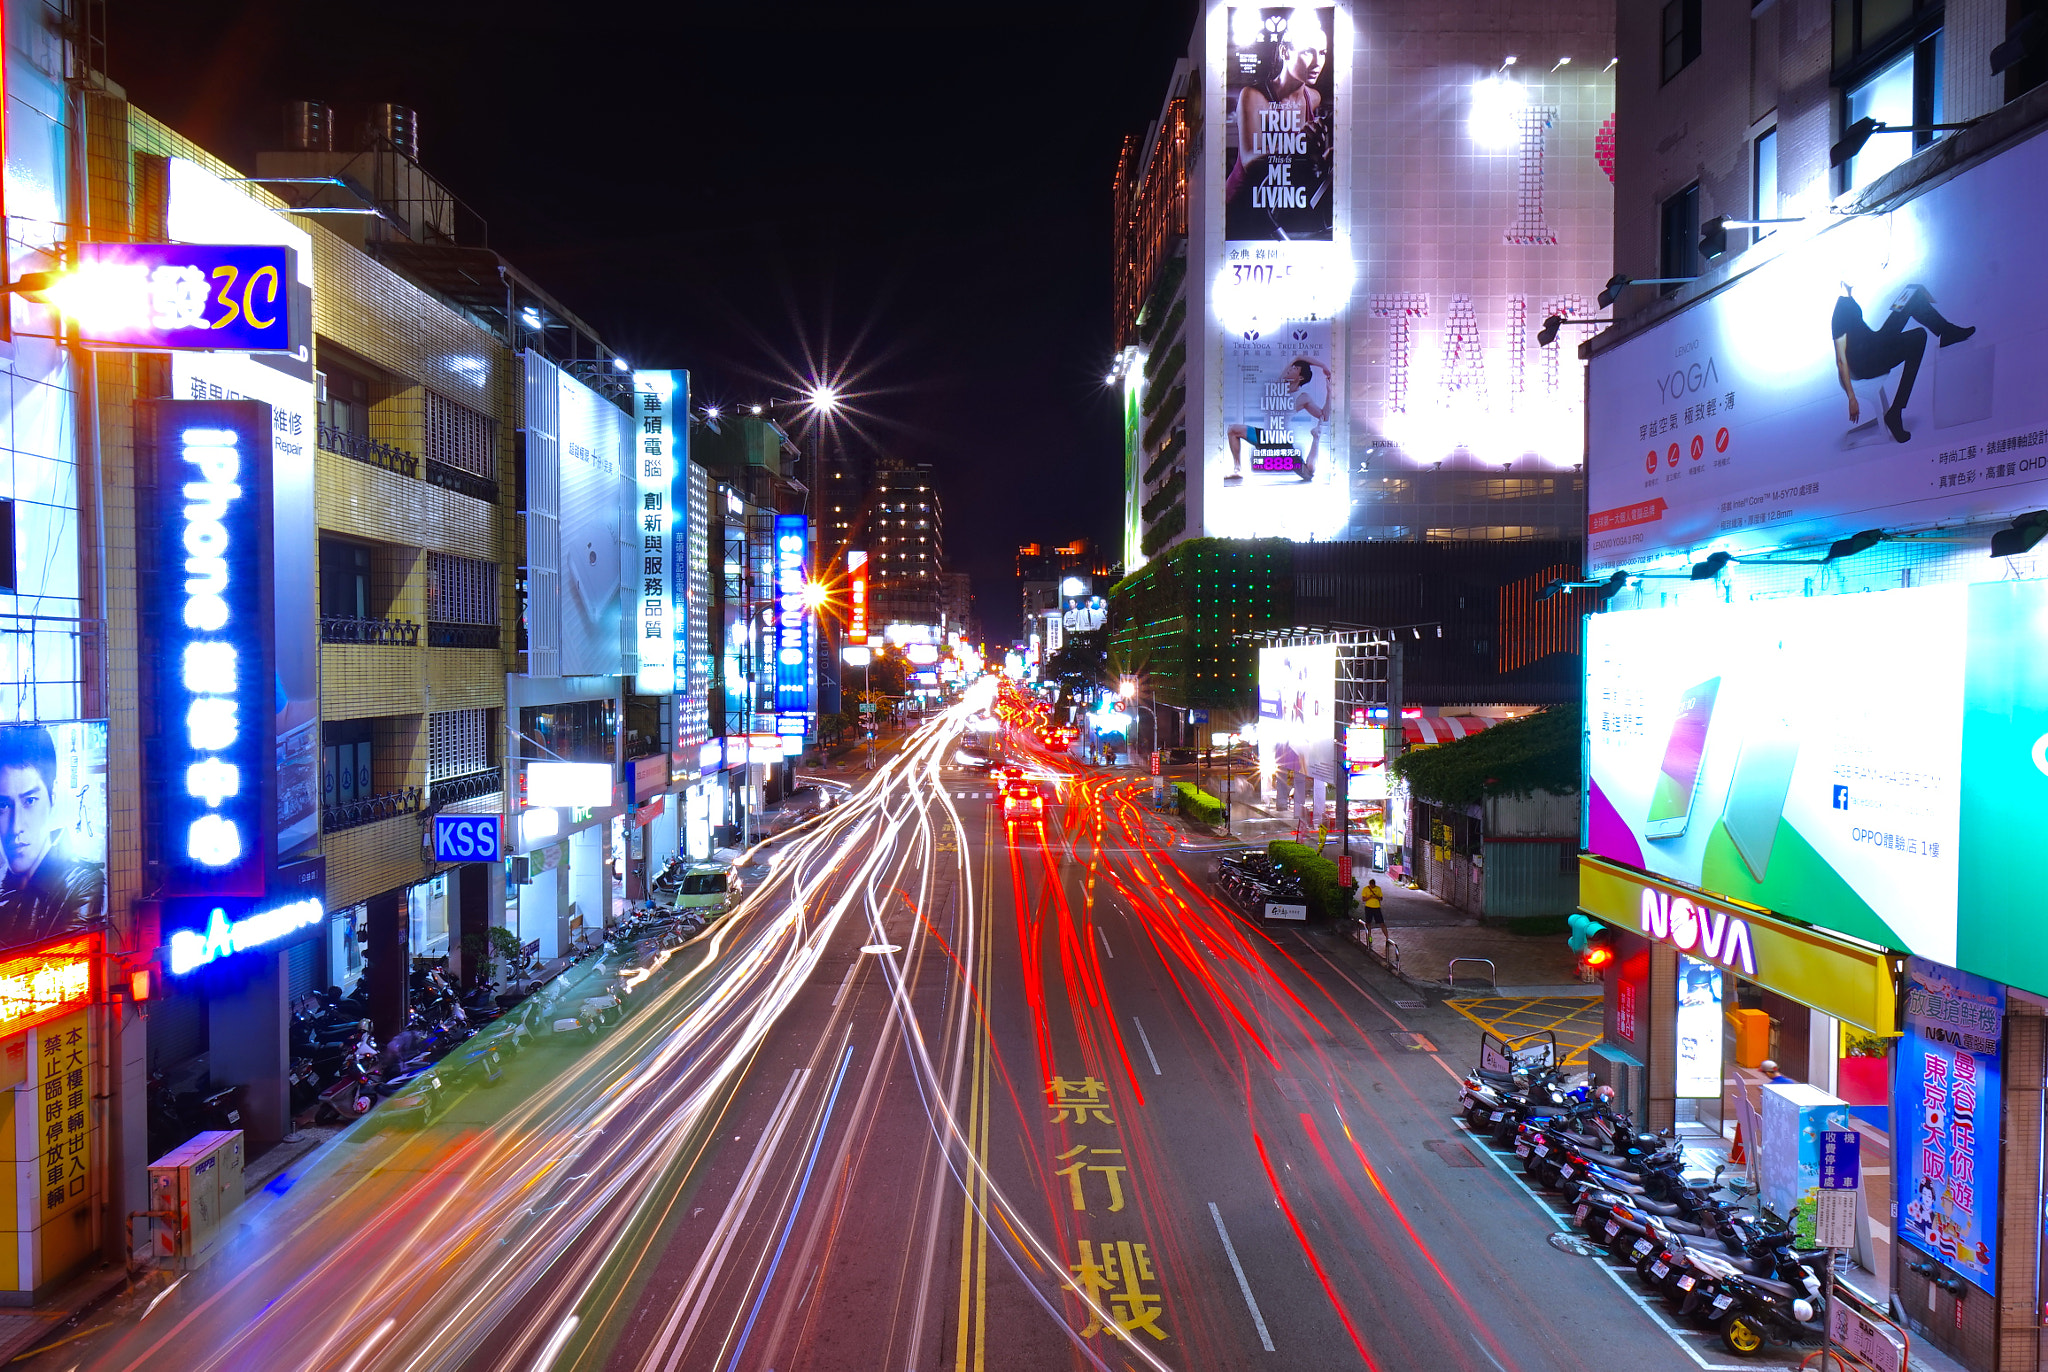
(1566, 1171)
(1613, 1228)
(1521, 1150)
(1642, 1247)
(1542, 1150)
(1723, 1302)
(1686, 1283)
(1580, 1213)
(1497, 1116)
(1659, 1270)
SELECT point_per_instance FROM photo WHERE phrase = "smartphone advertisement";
(1699, 1031)
(1870, 764)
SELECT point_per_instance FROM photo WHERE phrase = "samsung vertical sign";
(792, 615)
(656, 415)
(217, 679)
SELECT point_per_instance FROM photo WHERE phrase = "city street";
(944, 1093)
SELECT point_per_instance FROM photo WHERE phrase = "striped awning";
(1425, 732)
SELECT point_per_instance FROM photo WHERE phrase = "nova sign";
(1697, 928)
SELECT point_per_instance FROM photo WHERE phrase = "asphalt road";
(943, 1093)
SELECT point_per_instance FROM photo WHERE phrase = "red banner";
(1621, 517)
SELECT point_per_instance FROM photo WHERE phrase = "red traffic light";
(1599, 955)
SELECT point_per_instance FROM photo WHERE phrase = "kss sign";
(467, 838)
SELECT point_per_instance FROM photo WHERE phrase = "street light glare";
(823, 398)
(711, 412)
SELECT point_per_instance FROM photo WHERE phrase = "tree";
(1080, 667)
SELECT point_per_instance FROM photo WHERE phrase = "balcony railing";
(349, 629)
(441, 634)
(351, 814)
(473, 786)
(366, 449)
(461, 482)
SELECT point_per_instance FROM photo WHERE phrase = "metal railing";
(470, 786)
(442, 634)
(386, 632)
(1451, 972)
(366, 449)
(351, 814)
(461, 482)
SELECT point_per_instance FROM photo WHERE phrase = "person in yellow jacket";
(1371, 896)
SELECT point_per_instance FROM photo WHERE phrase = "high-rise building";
(1327, 306)
(906, 550)
(1817, 453)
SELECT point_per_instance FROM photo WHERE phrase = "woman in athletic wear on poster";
(1309, 383)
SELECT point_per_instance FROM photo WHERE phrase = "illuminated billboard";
(217, 690)
(1882, 371)
(661, 404)
(53, 830)
(792, 622)
(596, 445)
(182, 295)
(206, 210)
(1385, 227)
(1297, 709)
(856, 597)
(1771, 752)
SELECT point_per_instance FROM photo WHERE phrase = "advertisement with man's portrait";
(1279, 159)
(53, 830)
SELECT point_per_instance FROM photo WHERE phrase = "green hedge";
(1165, 496)
(1173, 449)
(1538, 752)
(1326, 899)
(1197, 804)
(1168, 412)
(1166, 530)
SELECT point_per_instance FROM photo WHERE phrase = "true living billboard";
(1881, 373)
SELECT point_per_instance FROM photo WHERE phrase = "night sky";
(918, 194)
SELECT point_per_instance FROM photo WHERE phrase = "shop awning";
(1428, 731)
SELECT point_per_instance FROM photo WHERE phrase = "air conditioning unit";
(193, 1191)
(1610, 1066)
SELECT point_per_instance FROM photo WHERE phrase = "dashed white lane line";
(1105, 940)
(1146, 1039)
(840, 994)
(1230, 1251)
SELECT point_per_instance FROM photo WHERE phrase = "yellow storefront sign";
(1850, 982)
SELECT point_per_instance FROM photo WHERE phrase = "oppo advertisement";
(1884, 372)
(1775, 753)
(597, 486)
(204, 210)
(1297, 709)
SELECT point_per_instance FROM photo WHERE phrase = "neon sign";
(190, 949)
(218, 757)
(38, 987)
(792, 615)
(857, 607)
(656, 414)
(235, 297)
(1693, 926)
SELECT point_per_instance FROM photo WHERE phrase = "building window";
(345, 589)
(1903, 93)
(459, 437)
(458, 743)
(1865, 28)
(345, 402)
(461, 590)
(1679, 247)
(1681, 35)
(1763, 178)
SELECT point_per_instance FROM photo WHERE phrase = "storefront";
(50, 1063)
(1728, 1023)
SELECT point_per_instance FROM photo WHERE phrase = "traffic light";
(1590, 940)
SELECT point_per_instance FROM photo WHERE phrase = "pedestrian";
(1372, 896)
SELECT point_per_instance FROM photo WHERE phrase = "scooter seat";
(1503, 1078)
(1776, 1288)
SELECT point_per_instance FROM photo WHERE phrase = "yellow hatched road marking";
(1577, 1028)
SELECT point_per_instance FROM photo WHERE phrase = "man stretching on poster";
(1866, 354)
(1310, 396)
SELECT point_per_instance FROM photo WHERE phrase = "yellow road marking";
(1575, 1033)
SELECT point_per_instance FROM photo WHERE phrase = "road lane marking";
(555, 1344)
(1230, 1251)
(841, 993)
(1105, 940)
(1146, 1039)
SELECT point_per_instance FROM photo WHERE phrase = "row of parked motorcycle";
(1254, 879)
(1737, 1270)
(339, 1069)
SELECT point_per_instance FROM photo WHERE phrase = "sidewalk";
(1428, 935)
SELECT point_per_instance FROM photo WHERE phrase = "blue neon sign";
(792, 615)
(191, 949)
(215, 764)
(234, 297)
(467, 838)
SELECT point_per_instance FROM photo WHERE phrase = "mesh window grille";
(459, 437)
(461, 590)
(458, 743)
